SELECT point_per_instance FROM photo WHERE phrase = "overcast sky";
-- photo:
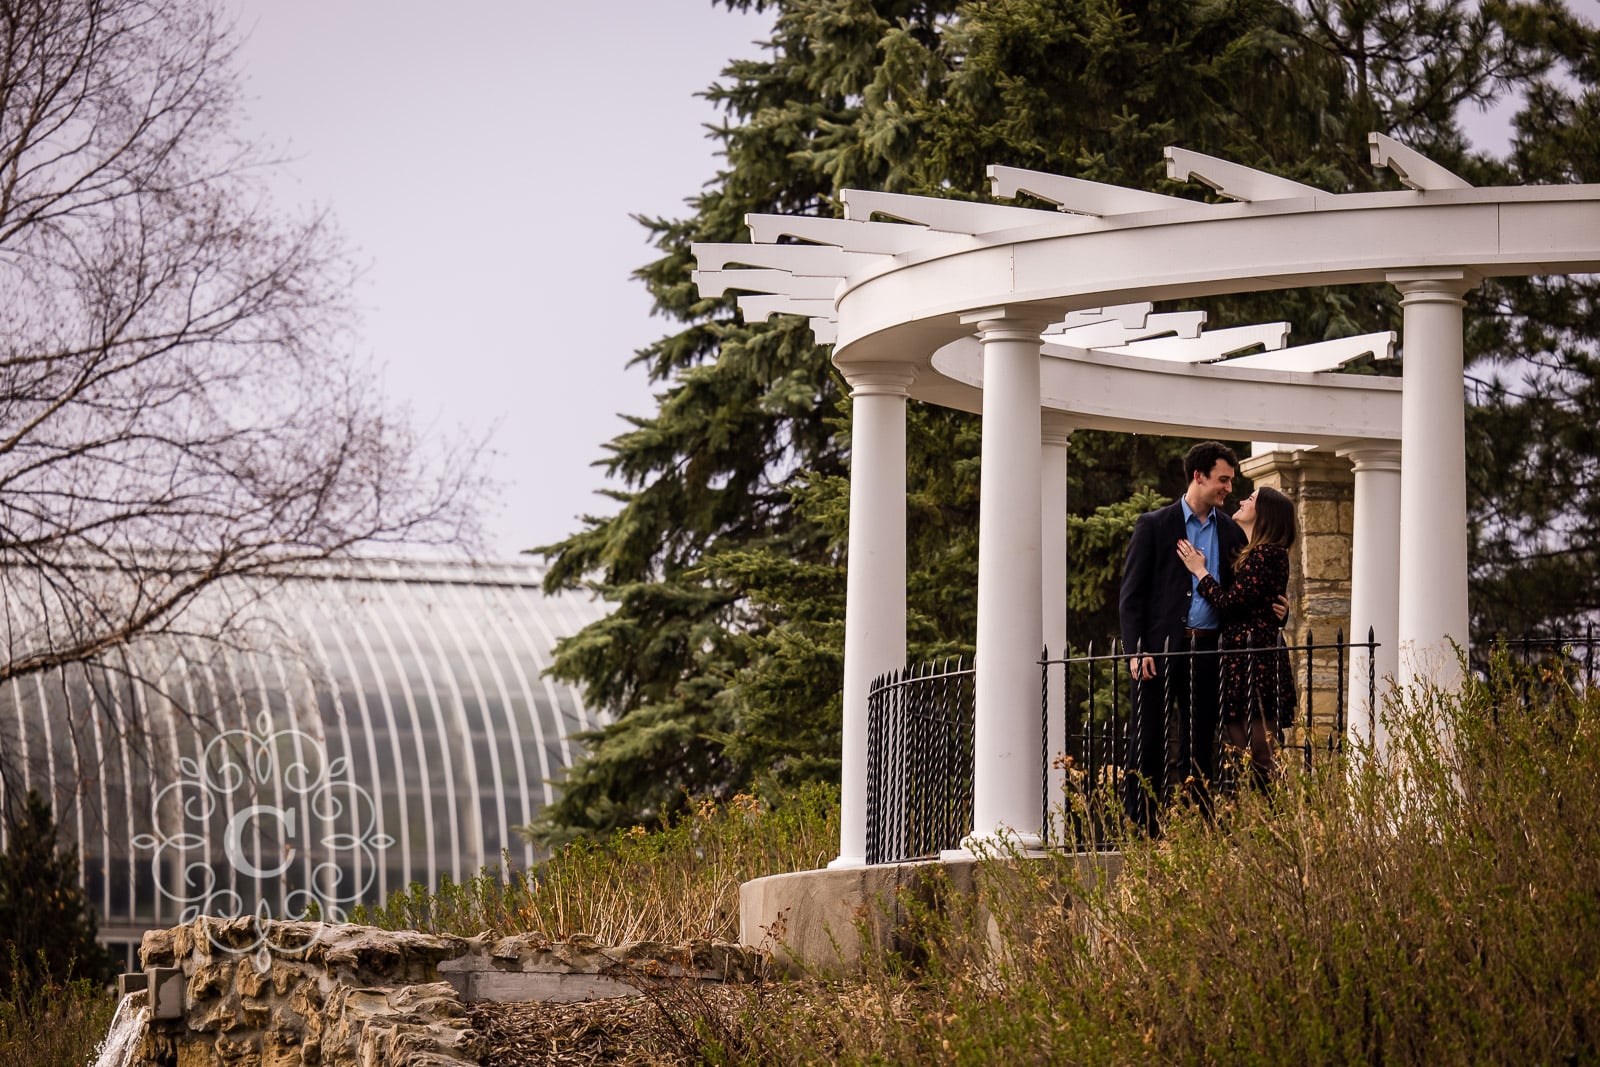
(484, 160)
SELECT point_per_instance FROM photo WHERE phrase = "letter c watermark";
(232, 846)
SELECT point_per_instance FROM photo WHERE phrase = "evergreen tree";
(47, 931)
(722, 659)
(1533, 429)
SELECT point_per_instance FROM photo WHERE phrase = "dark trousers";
(1172, 732)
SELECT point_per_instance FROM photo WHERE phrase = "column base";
(843, 862)
(1002, 842)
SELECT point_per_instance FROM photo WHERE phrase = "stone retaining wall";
(289, 993)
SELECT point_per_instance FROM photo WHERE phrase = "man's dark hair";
(1203, 456)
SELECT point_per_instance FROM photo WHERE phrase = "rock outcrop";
(325, 995)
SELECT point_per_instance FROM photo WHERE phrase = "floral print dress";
(1255, 667)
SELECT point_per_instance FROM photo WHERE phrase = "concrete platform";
(819, 922)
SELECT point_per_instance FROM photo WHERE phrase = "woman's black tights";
(1253, 736)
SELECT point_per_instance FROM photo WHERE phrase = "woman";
(1257, 686)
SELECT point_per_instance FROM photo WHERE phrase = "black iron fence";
(1577, 657)
(920, 733)
(919, 760)
(1175, 729)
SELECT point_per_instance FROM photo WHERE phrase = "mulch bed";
(647, 1029)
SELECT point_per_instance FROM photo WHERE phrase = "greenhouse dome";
(357, 728)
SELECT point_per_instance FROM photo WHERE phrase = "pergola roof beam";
(1101, 390)
(1111, 333)
(762, 308)
(1233, 180)
(886, 238)
(1321, 355)
(809, 261)
(1080, 197)
(717, 282)
(948, 216)
(1209, 346)
(1415, 170)
(1130, 315)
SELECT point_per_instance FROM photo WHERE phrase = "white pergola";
(1042, 322)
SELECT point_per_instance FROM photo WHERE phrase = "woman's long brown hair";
(1274, 521)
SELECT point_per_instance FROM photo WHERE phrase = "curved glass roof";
(358, 727)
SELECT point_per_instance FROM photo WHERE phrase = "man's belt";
(1194, 635)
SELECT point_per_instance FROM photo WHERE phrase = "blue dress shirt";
(1202, 534)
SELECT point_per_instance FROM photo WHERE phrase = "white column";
(1055, 434)
(1433, 479)
(1007, 779)
(875, 584)
(1374, 582)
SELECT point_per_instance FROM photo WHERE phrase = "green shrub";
(49, 1023)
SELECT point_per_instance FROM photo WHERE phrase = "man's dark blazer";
(1156, 586)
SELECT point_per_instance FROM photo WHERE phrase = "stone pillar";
(875, 586)
(1375, 580)
(1433, 478)
(1056, 433)
(1007, 761)
(1322, 488)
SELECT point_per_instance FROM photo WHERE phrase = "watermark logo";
(297, 835)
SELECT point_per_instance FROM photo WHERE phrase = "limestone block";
(282, 1050)
(240, 1051)
(306, 1000)
(247, 980)
(198, 1054)
(213, 1015)
(368, 954)
(1323, 606)
(211, 980)
(159, 947)
(255, 1012)
(1326, 556)
(1320, 517)
(435, 1000)
(286, 975)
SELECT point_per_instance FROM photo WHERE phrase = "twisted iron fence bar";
(919, 760)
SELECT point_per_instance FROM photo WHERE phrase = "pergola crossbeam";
(1233, 180)
(802, 260)
(948, 216)
(1321, 355)
(1415, 170)
(884, 238)
(1080, 197)
(1174, 325)
(718, 282)
(1132, 316)
(762, 308)
(1209, 346)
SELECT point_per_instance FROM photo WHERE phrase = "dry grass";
(673, 883)
(53, 1024)
(1441, 905)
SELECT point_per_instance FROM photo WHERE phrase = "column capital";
(1372, 456)
(1433, 285)
(1055, 428)
(1005, 323)
(879, 379)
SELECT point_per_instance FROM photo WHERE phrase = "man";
(1173, 721)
